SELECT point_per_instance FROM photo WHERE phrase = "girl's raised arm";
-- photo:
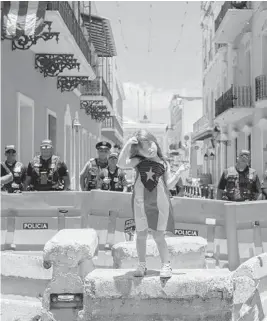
(172, 179)
(124, 161)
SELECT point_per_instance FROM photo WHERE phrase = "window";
(249, 142)
(52, 128)
(235, 149)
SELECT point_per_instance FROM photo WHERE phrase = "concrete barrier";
(106, 212)
(185, 252)
(70, 253)
(117, 295)
(250, 280)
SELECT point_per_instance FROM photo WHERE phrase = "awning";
(101, 35)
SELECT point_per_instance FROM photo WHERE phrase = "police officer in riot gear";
(90, 174)
(113, 178)
(239, 183)
(47, 172)
(17, 169)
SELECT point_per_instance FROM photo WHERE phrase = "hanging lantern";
(212, 156)
(206, 157)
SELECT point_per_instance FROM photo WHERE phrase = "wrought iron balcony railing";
(68, 15)
(230, 5)
(201, 124)
(261, 87)
(97, 87)
(113, 123)
(236, 96)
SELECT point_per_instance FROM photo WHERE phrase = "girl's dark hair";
(141, 136)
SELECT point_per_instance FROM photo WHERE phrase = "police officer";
(47, 172)
(90, 174)
(263, 195)
(239, 183)
(17, 169)
(113, 178)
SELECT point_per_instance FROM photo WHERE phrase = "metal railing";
(261, 87)
(113, 123)
(199, 191)
(68, 15)
(230, 5)
(236, 96)
(201, 123)
(97, 87)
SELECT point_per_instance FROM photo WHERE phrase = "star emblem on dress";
(150, 175)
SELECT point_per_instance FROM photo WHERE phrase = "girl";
(151, 203)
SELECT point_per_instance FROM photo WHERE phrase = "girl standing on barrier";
(151, 199)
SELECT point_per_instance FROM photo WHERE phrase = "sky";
(158, 52)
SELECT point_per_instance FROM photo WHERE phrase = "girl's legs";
(141, 238)
(162, 246)
(159, 238)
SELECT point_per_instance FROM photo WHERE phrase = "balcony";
(72, 39)
(261, 91)
(97, 90)
(112, 129)
(231, 20)
(234, 104)
(201, 129)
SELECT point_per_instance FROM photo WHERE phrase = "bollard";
(70, 254)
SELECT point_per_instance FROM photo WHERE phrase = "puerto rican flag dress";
(151, 203)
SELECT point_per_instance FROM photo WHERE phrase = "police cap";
(114, 155)
(103, 145)
(46, 142)
(9, 148)
(245, 154)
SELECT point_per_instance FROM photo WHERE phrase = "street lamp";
(206, 157)
(212, 156)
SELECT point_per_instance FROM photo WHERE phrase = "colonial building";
(157, 129)
(58, 83)
(234, 84)
(184, 111)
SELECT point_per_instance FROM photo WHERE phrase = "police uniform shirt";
(118, 180)
(17, 169)
(61, 170)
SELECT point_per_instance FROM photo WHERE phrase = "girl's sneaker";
(166, 270)
(141, 270)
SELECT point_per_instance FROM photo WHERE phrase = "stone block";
(185, 252)
(190, 295)
(70, 253)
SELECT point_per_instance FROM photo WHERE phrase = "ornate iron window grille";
(52, 64)
(261, 87)
(236, 96)
(69, 83)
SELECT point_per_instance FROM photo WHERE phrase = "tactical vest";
(93, 180)
(239, 185)
(45, 177)
(16, 170)
(116, 180)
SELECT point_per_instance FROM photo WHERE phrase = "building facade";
(157, 129)
(234, 117)
(58, 85)
(184, 111)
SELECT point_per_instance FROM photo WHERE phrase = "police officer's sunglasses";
(46, 147)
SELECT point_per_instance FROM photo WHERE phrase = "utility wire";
(182, 28)
(149, 30)
(121, 28)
